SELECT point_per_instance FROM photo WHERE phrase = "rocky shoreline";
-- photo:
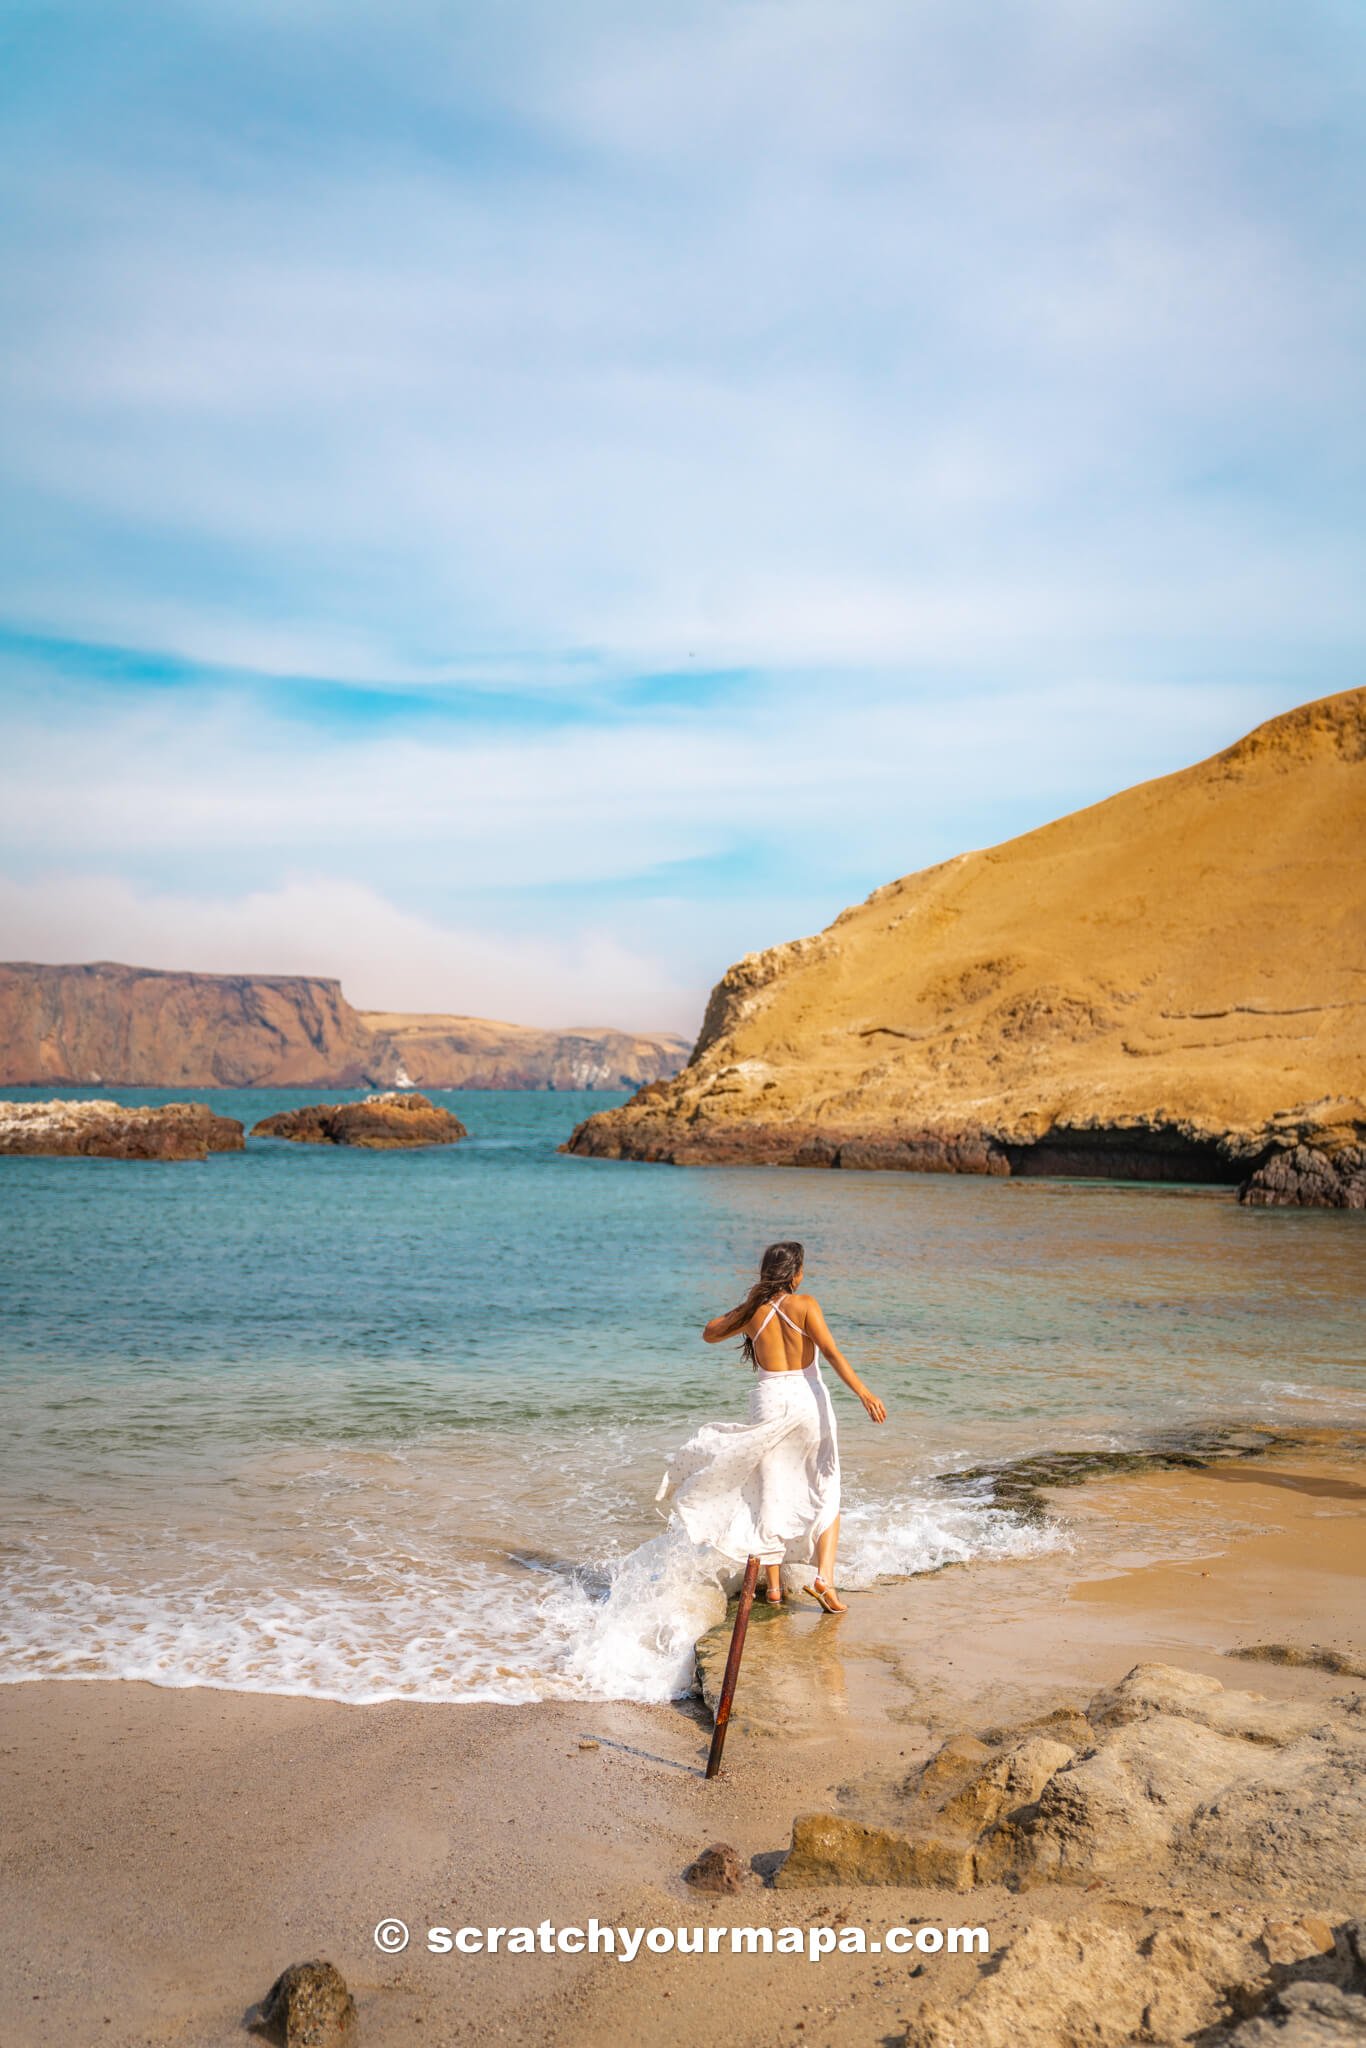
(1265, 1174)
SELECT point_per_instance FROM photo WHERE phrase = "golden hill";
(1160, 985)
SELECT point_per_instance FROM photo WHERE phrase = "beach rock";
(1305, 2016)
(1118, 1808)
(1007, 1785)
(1176, 1781)
(1323, 2004)
(379, 1123)
(1150, 1690)
(1060, 1986)
(955, 1761)
(1160, 1974)
(1306, 1178)
(308, 2006)
(827, 1848)
(1160, 986)
(717, 1869)
(108, 1130)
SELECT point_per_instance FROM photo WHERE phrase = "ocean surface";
(379, 1425)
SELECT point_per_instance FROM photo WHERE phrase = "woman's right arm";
(819, 1332)
(721, 1327)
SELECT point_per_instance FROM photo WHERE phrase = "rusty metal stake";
(737, 1649)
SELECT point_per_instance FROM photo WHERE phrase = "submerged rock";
(379, 1123)
(1022, 1484)
(308, 2006)
(109, 1130)
(1304, 1177)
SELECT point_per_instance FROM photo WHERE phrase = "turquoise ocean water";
(368, 1425)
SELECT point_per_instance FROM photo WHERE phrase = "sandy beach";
(167, 1853)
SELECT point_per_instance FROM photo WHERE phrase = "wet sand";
(165, 1854)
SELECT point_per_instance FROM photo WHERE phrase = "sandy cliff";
(1171, 983)
(130, 1026)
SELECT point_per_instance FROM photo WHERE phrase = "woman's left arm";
(818, 1330)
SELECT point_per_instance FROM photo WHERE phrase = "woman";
(770, 1487)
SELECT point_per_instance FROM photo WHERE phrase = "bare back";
(781, 1342)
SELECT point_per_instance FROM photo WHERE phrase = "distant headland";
(106, 1024)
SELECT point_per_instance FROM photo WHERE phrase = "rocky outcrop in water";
(1164, 986)
(1307, 1178)
(380, 1123)
(140, 1027)
(106, 1130)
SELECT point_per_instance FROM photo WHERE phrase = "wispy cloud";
(970, 383)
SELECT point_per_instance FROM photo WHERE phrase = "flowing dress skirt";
(768, 1487)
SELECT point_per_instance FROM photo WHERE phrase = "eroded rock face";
(308, 2006)
(1245, 1817)
(1176, 1781)
(379, 1123)
(1306, 2016)
(107, 1130)
(1169, 1977)
(1069, 1002)
(136, 1026)
(1306, 1178)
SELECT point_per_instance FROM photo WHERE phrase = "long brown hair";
(778, 1270)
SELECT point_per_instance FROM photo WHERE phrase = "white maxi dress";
(768, 1487)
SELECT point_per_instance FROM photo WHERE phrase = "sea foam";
(407, 1626)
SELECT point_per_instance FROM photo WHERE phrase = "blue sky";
(519, 505)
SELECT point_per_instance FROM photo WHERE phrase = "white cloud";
(885, 773)
(386, 957)
(799, 332)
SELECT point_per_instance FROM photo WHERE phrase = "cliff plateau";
(140, 1026)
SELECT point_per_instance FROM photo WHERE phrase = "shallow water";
(368, 1425)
